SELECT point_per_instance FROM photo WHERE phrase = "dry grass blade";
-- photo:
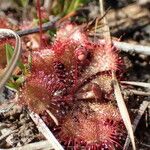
(146, 145)
(117, 91)
(17, 52)
(136, 92)
(45, 131)
(132, 48)
(106, 34)
(2, 137)
(141, 84)
(141, 111)
(44, 145)
(123, 110)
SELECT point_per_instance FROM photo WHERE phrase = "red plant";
(70, 60)
(72, 32)
(57, 75)
(56, 78)
(42, 61)
(41, 92)
(92, 126)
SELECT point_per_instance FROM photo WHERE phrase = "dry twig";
(141, 111)
(45, 27)
(136, 92)
(2, 137)
(130, 48)
(45, 131)
(44, 145)
(141, 84)
(146, 145)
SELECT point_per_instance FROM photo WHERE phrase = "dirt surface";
(138, 72)
(20, 128)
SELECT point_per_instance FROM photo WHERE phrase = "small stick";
(136, 92)
(45, 131)
(141, 84)
(7, 134)
(33, 146)
(130, 48)
(146, 145)
(45, 27)
(141, 111)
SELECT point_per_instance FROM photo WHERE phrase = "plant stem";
(45, 27)
(136, 92)
(130, 48)
(123, 109)
(40, 21)
(123, 46)
(140, 84)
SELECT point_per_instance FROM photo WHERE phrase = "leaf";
(64, 7)
(24, 2)
(74, 5)
(15, 82)
(52, 32)
(20, 80)
(9, 53)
